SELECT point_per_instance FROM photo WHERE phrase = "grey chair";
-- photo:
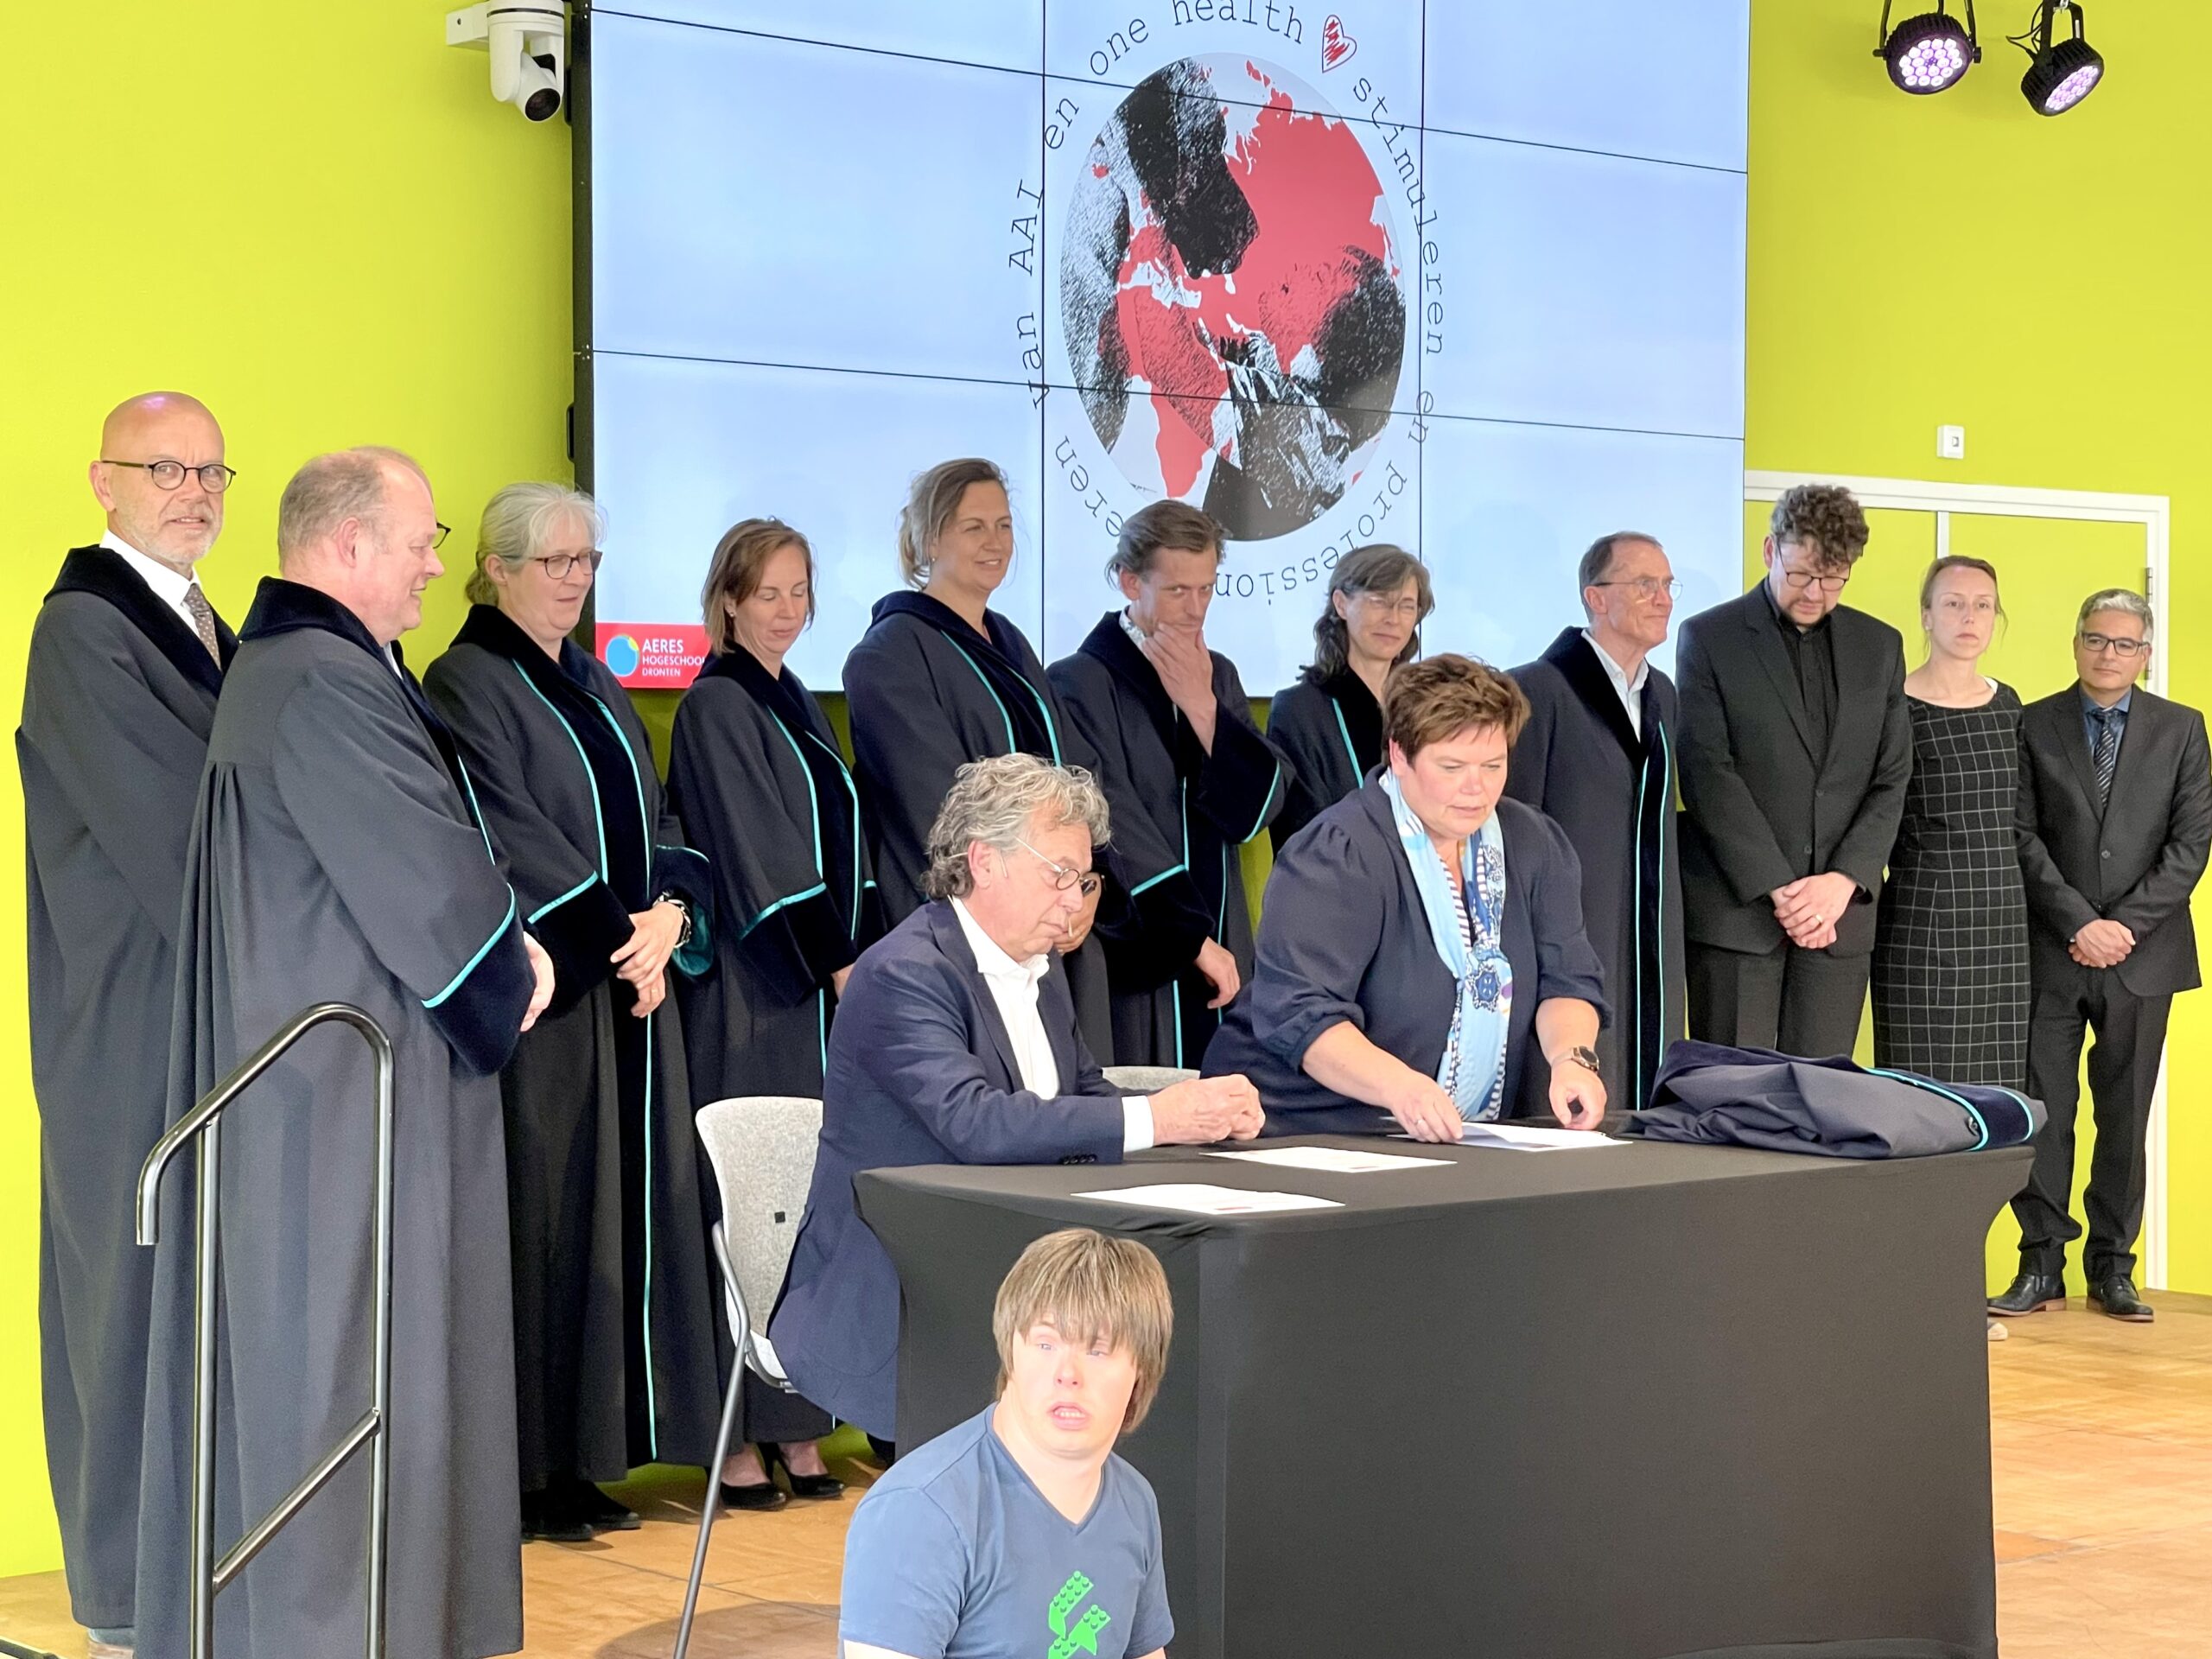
(1146, 1079)
(762, 1149)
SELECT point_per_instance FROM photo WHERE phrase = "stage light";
(1930, 53)
(2062, 73)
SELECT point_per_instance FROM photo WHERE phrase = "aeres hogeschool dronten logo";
(1238, 287)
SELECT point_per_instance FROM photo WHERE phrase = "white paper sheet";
(1202, 1198)
(1335, 1160)
(1530, 1138)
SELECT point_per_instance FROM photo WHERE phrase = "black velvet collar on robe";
(282, 607)
(791, 704)
(105, 574)
(615, 778)
(997, 654)
(1363, 715)
(1576, 658)
(1110, 644)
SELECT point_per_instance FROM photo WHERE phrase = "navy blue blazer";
(1343, 935)
(921, 1072)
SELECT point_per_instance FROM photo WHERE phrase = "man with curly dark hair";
(1794, 748)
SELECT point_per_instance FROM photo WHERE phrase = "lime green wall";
(314, 218)
(1958, 259)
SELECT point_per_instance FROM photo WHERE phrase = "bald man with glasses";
(2114, 825)
(1796, 748)
(126, 658)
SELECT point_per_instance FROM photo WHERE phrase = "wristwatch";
(1583, 1056)
(683, 909)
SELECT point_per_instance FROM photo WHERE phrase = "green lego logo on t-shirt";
(1084, 1637)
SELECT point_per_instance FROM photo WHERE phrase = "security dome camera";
(528, 45)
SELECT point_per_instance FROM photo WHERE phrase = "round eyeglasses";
(1063, 877)
(214, 477)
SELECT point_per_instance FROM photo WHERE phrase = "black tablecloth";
(1639, 1403)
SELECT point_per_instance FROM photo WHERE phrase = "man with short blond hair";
(336, 856)
(1020, 1530)
(126, 660)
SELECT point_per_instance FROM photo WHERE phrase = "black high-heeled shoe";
(772, 1458)
(765, 1496)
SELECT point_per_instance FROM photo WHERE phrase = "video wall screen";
(1467, 276)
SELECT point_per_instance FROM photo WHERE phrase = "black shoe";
(772, 1458)
(2115, 1294)
(2030, 1292)
(554, 1517)
(599, 1512)
(766, 1495)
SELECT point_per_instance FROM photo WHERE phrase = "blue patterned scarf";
(1469, 937)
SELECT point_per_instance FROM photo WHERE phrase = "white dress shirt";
(1630, 691)
(169, 587)
(1013, 986)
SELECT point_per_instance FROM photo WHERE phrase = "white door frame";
(2008, 502)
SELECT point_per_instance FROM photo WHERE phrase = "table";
(1645, 1402)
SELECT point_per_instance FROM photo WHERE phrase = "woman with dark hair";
(1950, 969)
(1419, 936)
(614, 1360)
(940, 679)
(755, 770)
(1329, 723)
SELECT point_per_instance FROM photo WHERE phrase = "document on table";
(1530, 1138)
(1201, 1198)
(1334, 1160)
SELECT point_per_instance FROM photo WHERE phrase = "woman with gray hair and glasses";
(1331, 722)
(614, 1359)
(956, 1043)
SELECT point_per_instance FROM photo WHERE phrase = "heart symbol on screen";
(1336, 45)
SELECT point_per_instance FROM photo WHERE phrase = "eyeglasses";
(214, 477)
(438, 537)
(2098, 643)
(1382, 607)
(1799, 580)
(559, 565)
(1646, 586)
(1063, 877)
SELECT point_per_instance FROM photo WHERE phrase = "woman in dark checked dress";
(1950, 970)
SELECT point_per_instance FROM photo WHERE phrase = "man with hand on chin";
(2114, 824)
(1795, 747)
(1020, 1531)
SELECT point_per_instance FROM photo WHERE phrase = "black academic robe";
(118, 698)
(615, 1362)
(755, 773)
(335, 855)
(1330, 728)
(1344, 936)
(927, 693)
(1580, 761)
(1179, 815)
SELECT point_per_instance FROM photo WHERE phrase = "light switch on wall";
(1951, 442)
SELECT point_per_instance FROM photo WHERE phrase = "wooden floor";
(2102, 1435)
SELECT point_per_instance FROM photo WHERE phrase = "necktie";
(2106, 756)
(203, 619)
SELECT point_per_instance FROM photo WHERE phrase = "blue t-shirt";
(956, 1555)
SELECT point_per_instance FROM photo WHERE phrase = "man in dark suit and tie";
(1794, 751)
(2115, 824)
(955, 1043)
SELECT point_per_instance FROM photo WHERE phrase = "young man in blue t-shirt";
(1020, 1532)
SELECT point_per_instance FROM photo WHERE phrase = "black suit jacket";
(2136, 861)
(1761, 807)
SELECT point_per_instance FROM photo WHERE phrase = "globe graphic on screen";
(1232, 293)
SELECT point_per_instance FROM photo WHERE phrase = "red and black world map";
(1232, 295)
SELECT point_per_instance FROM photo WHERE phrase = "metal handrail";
(203, 1122)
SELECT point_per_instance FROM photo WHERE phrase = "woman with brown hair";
(1331, 722)
(940, 679)
(755, 772)
(1418, 935)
